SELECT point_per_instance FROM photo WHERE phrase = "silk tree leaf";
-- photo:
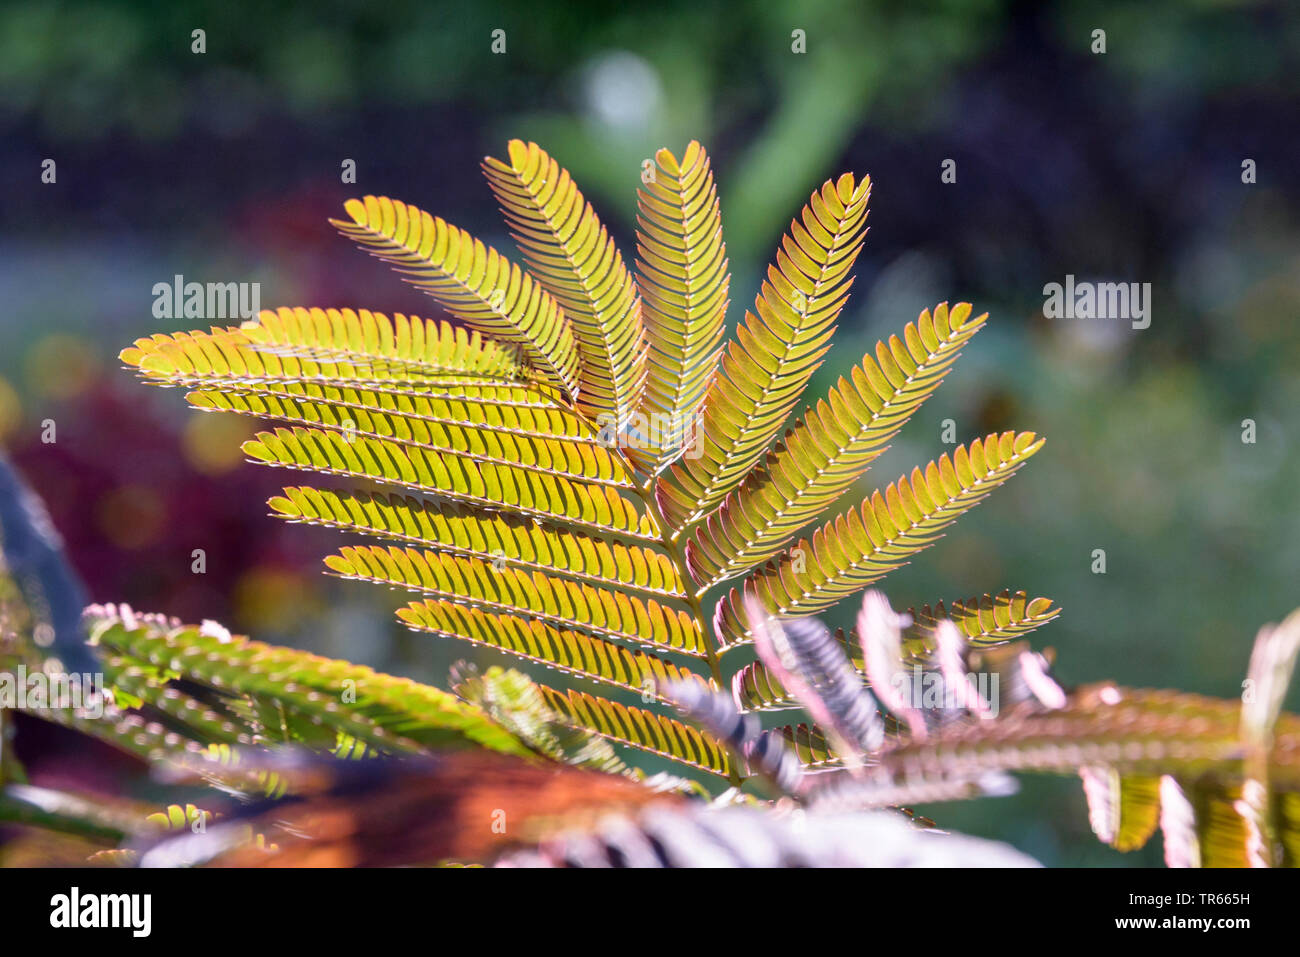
(684, 282)
(510, 591)
(299, 344)
(640, 729)
(862, 546)
(580, 459)
(491, 536)
(393, 714)
(513, 700)
(473, 282)
(832, 446)
(587, 507)
(570, 253)
(776, 350)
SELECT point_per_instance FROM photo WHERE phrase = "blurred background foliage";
(1117, 167)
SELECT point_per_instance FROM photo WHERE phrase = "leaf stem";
(646, 494)
(644, 491)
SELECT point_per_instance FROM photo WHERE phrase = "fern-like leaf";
(141, 683)
(390, 713)
(503, 470)
(589, 507)
(354, 415)
(150, 741)
(500, 588)
(985, 621)
(565, 648)
(682, 275)
(857, 548)
(572, 256)
(294, 345)
(834, 444)
(489, 536)
(473, 282)
(1134, 731)
(777, 349)
(515, 702)
(640, 729)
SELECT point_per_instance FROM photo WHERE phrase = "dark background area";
(1124, 166)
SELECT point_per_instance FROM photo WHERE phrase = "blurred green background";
(1123, 166)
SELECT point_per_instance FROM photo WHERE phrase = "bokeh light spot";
(61, 367)
(131, 516)
(211, 442)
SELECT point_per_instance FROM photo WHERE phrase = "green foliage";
(220, 688)
(204, 705)
(514, 702)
